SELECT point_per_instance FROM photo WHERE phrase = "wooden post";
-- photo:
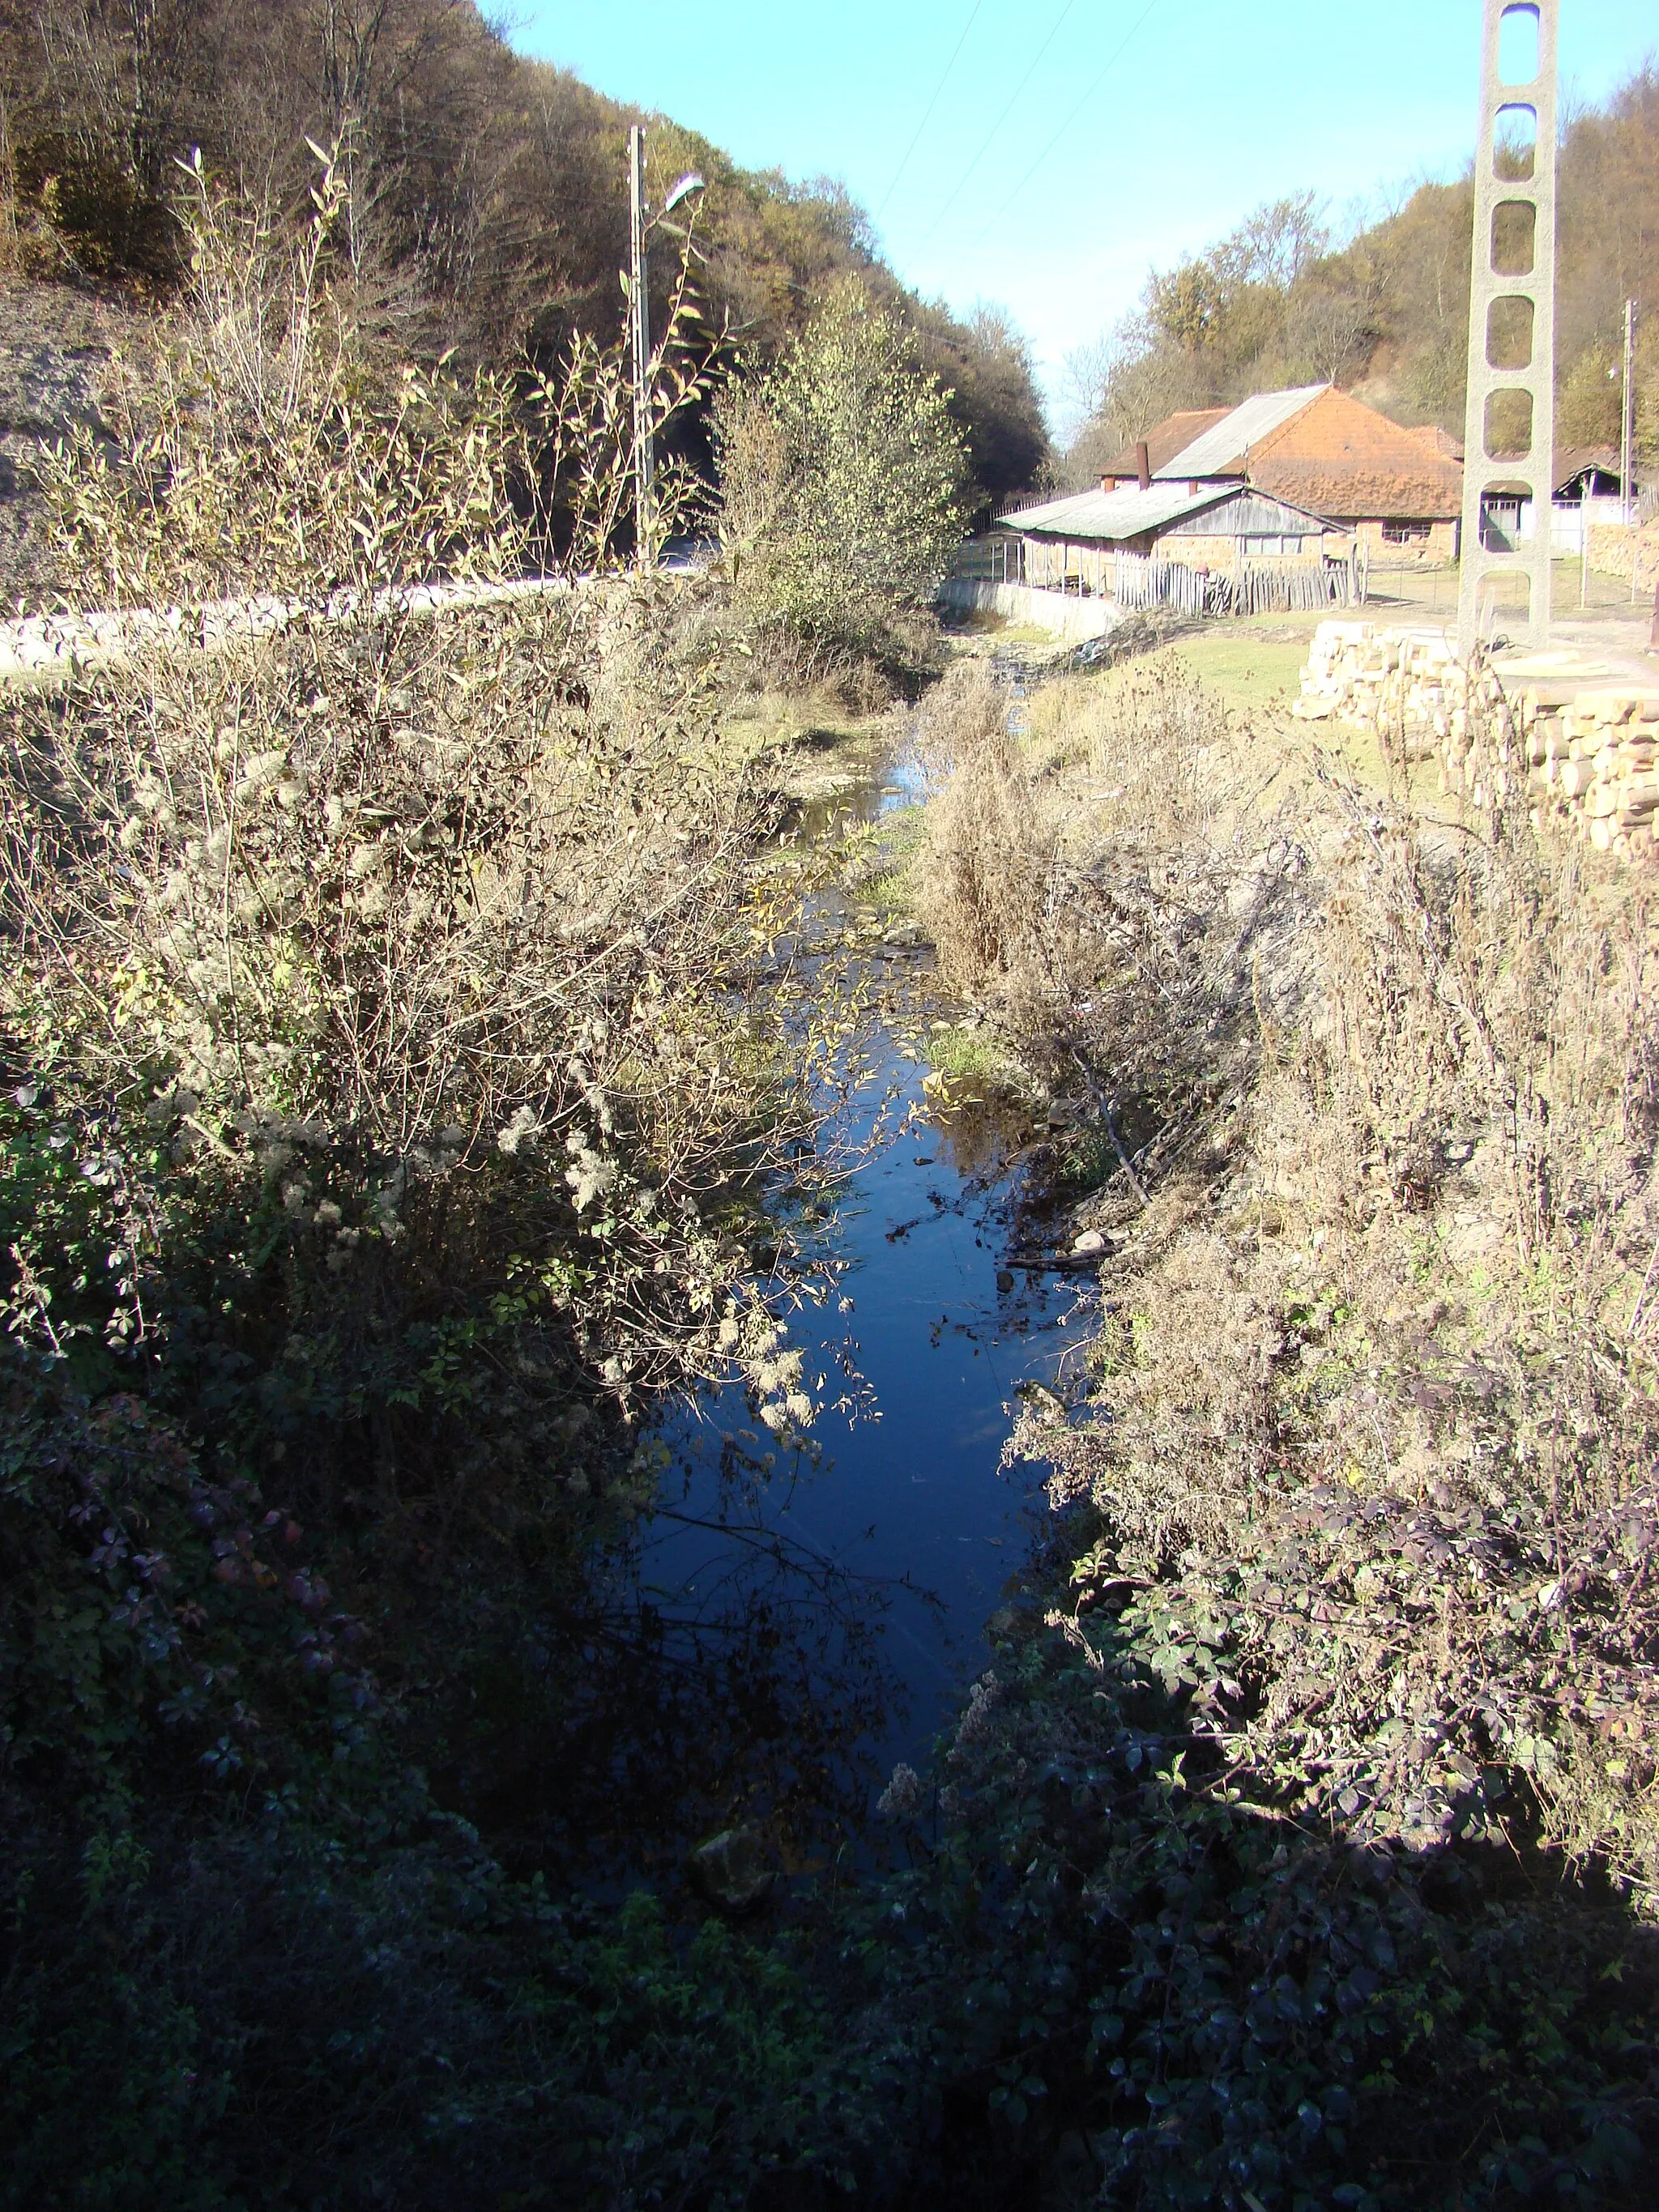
(1583, 537)
(1627, 435)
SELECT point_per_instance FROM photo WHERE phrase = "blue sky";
(1136, 133)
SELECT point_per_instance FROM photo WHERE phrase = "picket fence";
(1252, 587)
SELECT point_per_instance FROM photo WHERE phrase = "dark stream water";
(838, 1598)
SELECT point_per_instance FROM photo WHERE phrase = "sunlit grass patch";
(970, 1061)
(879, 871)
(1245, 670)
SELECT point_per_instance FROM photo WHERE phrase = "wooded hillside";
(1280, 302)
(488, 205)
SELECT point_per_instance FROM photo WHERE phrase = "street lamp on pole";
(640, 222)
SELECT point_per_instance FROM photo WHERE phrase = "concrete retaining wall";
(50, 649)
(1057, 612)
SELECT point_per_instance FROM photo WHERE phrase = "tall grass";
(1389, 1082)
(982, 877)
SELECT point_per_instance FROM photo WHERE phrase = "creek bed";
(884, 1550)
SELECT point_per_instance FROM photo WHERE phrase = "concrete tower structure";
(1509, 442)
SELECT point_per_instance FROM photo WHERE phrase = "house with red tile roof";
(1169, 438)
(1398, 491)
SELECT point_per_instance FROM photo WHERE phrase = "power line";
(1116, 56)
(1008, 110)
(932, 104)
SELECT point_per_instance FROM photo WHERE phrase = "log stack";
(1553, 727)
(1405, 680)
(1591, 757)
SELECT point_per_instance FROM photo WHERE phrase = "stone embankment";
(1614, 551)
(1580, 745)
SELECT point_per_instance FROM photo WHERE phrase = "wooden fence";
(1137, 580)
(1278, 588)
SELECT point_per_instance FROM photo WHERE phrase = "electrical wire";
(990, 136)
(1116, 57)
(928, 112)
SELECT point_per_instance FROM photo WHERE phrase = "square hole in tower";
(1509, 332)
(1508, 425)
(1515, 143)
(1514, 238)
(1518, 45)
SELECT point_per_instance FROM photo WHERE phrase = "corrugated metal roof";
(1113, 515)
(1165, 440)
(1222, 450)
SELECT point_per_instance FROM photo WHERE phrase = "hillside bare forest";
(1283, 301)
(487, 193)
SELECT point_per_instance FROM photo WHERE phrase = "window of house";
(1404, 533)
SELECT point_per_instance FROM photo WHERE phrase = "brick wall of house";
(1197, 552)
(1434, 551)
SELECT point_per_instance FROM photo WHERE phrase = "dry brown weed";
(1377, 1385)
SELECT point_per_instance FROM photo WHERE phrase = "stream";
(868, 1566)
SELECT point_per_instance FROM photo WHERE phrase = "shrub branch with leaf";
(841, 480)
(395, 1082)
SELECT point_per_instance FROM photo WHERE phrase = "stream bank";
(1231, 1883)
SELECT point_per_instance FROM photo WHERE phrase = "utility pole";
(1588, 479)
(1519, 271)
(639, 327)
(1627, 437)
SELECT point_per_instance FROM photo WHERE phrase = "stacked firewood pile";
(1588, 756)
(1405, 681)
(1579, 749)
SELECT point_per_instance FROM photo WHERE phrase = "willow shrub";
(394, 1059)
(842, 479)
(393, 1081)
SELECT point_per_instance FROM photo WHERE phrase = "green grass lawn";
(1245, 670)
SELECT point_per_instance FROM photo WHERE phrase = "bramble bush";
(1319, 1762)
(433, 929)
(391, 1079)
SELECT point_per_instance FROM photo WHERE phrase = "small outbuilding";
(1106, 544)
(1588, 472)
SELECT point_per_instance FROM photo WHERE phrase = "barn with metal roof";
(1064, 543)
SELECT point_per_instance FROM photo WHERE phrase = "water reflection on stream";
(899, 1533)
